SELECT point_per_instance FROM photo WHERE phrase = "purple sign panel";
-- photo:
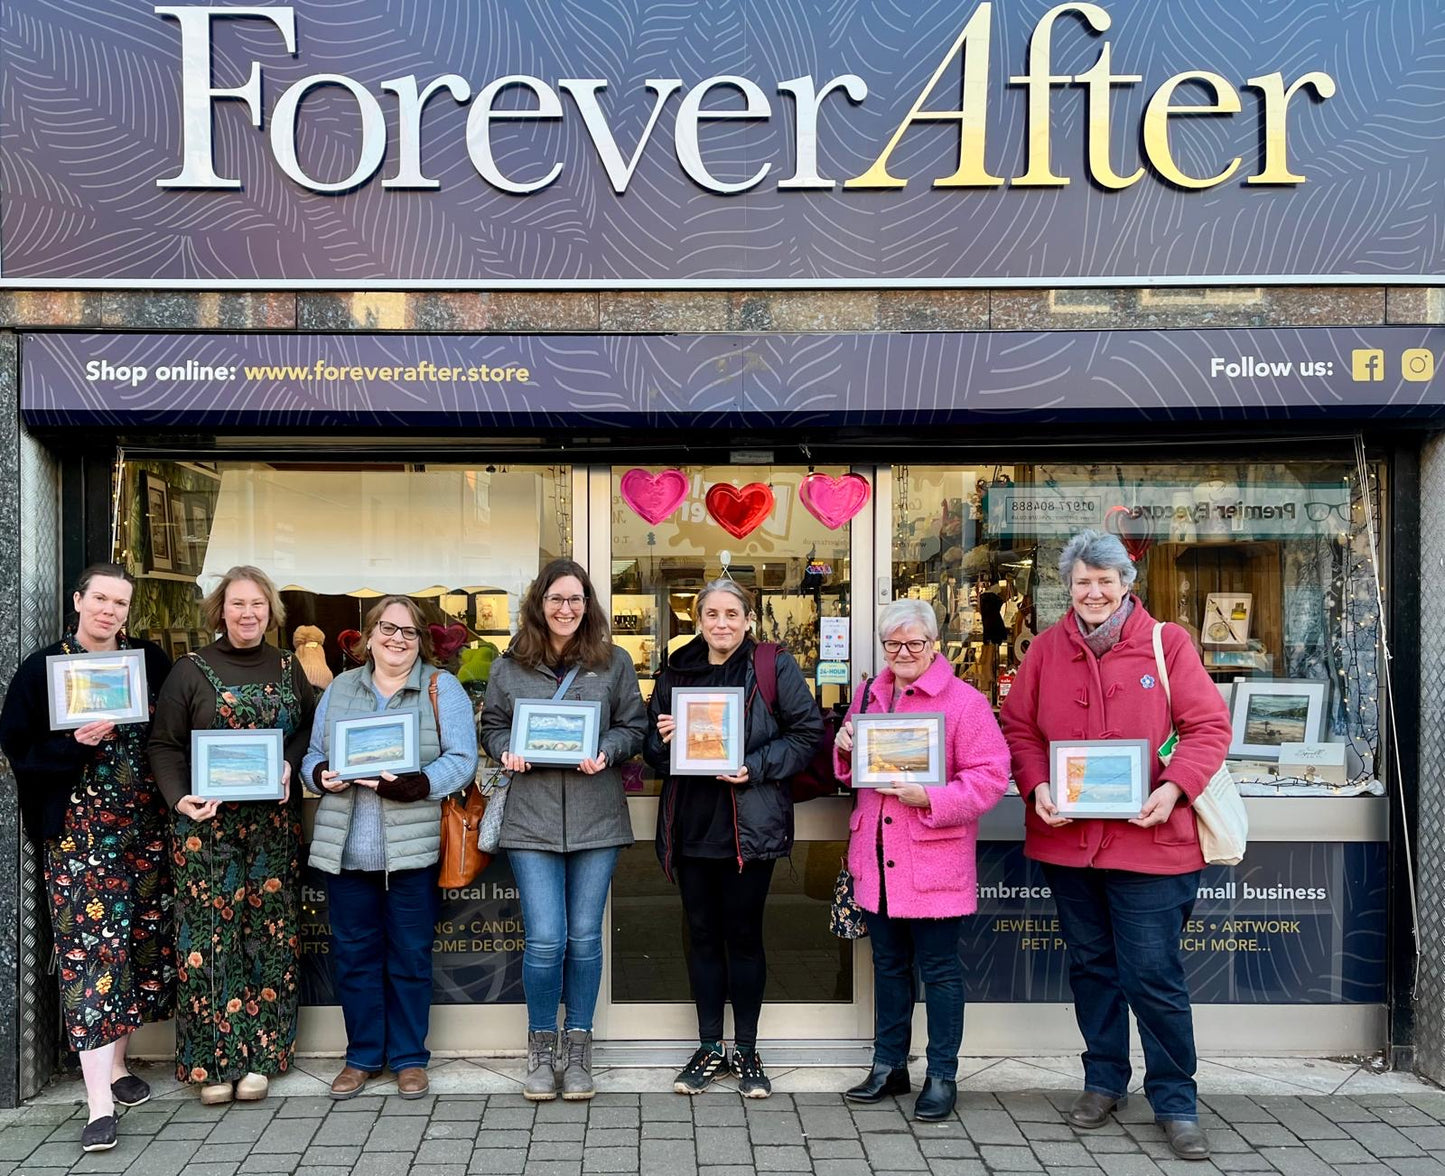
(720, 142)
(781, 381)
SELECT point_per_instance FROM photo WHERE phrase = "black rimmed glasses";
(1318, 512)
(408, 633)
(915, 646)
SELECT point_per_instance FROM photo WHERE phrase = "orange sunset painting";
(706, 727)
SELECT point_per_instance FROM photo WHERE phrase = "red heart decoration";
(833, 501)
(446, 640)
(1135, 531)
(739, 511)
(653, 497)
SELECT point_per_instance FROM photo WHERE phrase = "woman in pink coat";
(911, 853)
(1123, 889)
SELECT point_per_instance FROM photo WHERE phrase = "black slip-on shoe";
(880, 1083)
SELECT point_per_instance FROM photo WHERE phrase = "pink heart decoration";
(1135, 532)
(833, 501)
(653, 497)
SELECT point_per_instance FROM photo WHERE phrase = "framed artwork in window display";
(198, 527)
(156, 503)
(180, 548)
(1226, 620)
(97, 687)
(1266, 714)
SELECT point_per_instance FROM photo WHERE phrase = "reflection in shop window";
(1267, 565)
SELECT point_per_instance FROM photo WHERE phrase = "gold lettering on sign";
(1040, 83)
(972, 116)
(1276, 122)
(1156, 126)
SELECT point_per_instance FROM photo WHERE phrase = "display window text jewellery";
(966, 67)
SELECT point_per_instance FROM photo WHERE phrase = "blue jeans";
(897, 945)
(563, 896)
(1122, 930)
(381, 948)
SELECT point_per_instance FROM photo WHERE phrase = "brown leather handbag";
(460, 861)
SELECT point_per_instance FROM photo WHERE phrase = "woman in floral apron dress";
(92, 808)
(236, 865)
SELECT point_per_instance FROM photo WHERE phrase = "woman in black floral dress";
(236, 865)
(92, 808)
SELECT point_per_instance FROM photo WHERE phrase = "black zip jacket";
(777, 747)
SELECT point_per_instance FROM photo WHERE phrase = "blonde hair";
(213, 607)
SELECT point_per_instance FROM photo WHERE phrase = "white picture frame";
(707, 738)
(237, 764)
(364, 747)
(891, 749)
(1100, 778)
(560, 732)
(97, 687)
(1268, 712)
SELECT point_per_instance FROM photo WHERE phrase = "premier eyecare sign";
(558, 143)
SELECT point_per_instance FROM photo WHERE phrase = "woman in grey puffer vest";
(564, 827)
(378, 839)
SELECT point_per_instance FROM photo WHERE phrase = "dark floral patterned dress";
(109, 887)
(237, 912)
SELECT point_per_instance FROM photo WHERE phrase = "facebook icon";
(1367, 364)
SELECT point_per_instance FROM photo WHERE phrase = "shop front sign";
(714, 143)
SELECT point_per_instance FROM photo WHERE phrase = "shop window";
(464, 540)
(1268, 566)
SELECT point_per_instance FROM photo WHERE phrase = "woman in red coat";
(1124, 889)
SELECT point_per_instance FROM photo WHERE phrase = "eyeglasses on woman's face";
(555, 600)
(916, 646)
(408, 633)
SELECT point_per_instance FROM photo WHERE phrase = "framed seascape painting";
(237, 764)
(366, 747)
(559, 732)
(97, 687)
(898, 749)
(1265, 714)
(708, 737)
(1100, 777)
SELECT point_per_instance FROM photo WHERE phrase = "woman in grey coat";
(564, 827)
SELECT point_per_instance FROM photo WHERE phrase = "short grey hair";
(732, 587)
(908, 612)
(1097, 549)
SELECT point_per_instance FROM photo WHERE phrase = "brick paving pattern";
(670, 1135)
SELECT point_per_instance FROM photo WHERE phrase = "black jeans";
(724, 909)
(1122, 931)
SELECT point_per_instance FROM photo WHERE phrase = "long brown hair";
(590, 646)
(426, 651)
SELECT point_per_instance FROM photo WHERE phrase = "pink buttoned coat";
(928, 853)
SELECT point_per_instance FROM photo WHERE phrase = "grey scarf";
(1107, 635)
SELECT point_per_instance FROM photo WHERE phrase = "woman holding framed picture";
(564, 824)
(90, 804)
(377, 836)
(911, 845)
(236, 863)
(1124, 887)
(719, 836)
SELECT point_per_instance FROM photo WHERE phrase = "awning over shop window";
(378, 532)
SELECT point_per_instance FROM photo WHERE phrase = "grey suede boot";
(541, 1084)
(577, 1077)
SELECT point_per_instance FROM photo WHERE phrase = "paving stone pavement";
(1400, 1134)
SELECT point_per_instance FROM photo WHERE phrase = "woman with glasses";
(236, 865)
(563, 827)
(719, 839)
(911, 851)
(1124, 889)
(378, 838)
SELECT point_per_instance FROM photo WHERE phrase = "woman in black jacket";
(719, 839)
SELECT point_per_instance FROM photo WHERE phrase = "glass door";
(803, 575)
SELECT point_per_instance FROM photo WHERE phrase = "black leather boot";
(880, 1083)
(935, 1100)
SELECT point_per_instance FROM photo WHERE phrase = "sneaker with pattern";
(753, 1080)
(706, 1064)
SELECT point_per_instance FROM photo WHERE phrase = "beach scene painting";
(1268, 713)
(97, 688)
(898, 749)
(235, 765)
(1103, 778)
(239, 769)
(708, 737)
(561, 732)
(92, 687)
(364, 748)
(1276, 718)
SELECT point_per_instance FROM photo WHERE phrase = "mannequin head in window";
(724, 615)
(244, 606)
(1098, 573)
(561, 622)
(394, 635)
